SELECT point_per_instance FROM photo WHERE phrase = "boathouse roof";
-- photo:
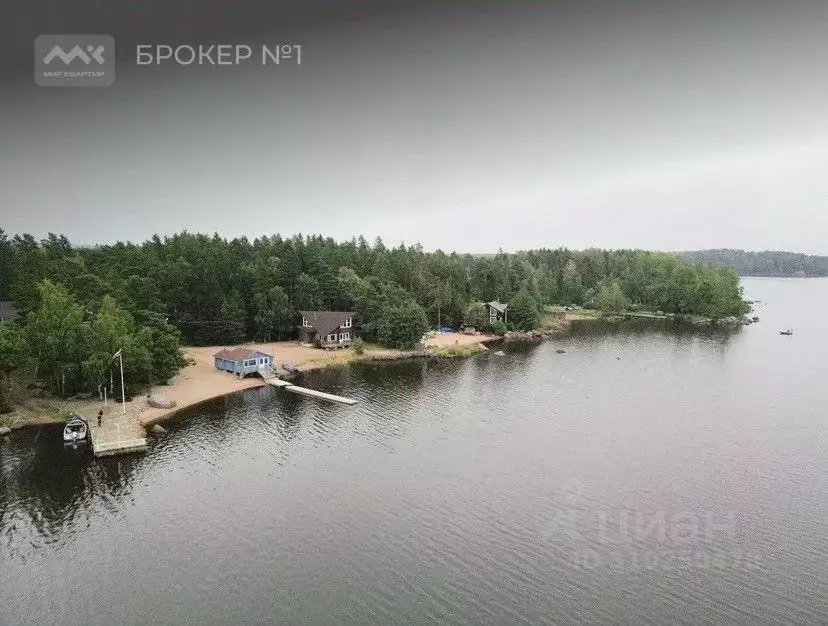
(238, 354)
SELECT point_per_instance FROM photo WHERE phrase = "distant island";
(765, 263)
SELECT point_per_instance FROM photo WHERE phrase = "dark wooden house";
(332, 329)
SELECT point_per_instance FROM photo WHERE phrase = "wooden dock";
(271, 378)
(122, 446)
(119, 434)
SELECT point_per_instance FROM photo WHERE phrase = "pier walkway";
(269, 375)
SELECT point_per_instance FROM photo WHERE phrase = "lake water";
(647, 474)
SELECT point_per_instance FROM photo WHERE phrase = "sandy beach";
(200, 381)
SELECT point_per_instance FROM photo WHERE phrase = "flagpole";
(123, 393)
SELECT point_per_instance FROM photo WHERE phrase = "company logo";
(74, 60)
(76, 53)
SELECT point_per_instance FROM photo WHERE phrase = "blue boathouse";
(242, 361)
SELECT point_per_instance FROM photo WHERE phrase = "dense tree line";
(765, 263)
(220, 292)
(71, 348)
(212, 291)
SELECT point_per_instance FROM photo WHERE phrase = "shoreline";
(199, 382)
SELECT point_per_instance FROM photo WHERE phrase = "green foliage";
(308, 293)
(282, 312)
(223, 292)
(12, 347)
(358, 345)
(496, 328)
(57, 337)
(523, 312)
(72, 354)
(402, 326)
(611, 298)
(230, 329)
(476, 316)
(12, 354)
(163, 341)
(273, 314)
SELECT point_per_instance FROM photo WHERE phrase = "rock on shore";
(160, 401)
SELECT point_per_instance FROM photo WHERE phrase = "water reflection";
(48, 488)
(440, 496)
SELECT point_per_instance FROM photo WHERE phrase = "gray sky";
(654, 124)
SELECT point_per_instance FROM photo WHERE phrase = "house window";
(331, 337)
(348, 323)
(344, 336)
(305, 323)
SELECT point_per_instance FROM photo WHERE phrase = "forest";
(79, 304)
(765, 263)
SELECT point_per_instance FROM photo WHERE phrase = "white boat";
(76, 430)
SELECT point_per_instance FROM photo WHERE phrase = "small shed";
(242, 361)
(496, 311)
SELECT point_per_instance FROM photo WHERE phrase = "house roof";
(498, 306)
(238, 354)
(7, 310)
(325, 322)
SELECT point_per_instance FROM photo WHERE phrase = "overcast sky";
(465, 126)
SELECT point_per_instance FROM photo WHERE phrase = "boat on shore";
(76, 430)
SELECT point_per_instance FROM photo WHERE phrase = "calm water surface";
(646, 475)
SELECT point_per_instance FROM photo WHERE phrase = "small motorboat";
(290, 368)
(76, 430)
(786, 332)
